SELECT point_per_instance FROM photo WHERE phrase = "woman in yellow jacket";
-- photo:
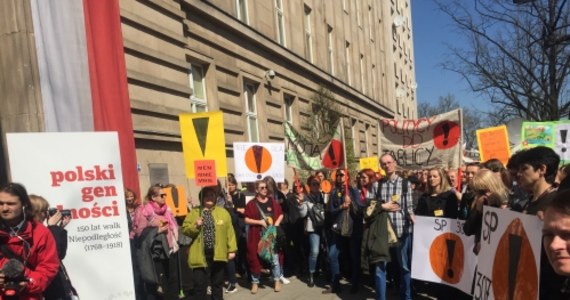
(213, 244)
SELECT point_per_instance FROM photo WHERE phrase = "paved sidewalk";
(299, 290)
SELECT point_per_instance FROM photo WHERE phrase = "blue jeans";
(380, 280)
(275, 269)
(314, 243)
(403, 256)
(404, 260)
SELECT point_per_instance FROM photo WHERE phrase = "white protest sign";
(81, 171)
(254, 161)
(510, 244)
(442, 253)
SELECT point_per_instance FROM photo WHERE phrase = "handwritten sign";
(205, 172)
(510, 243)
(423, 143)
(494, 143)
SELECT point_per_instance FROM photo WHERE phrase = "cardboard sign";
(254, 161)
(494, 143)
(369, 163)
(205, 172)
(176, 200)
(442, 253)
(203, 139)
(511, 246)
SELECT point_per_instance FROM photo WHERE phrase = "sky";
(432, 29)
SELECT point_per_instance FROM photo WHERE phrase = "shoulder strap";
(404, 186)
(260, 210)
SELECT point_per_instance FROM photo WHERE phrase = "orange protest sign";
(176, 200)
(205, 172)
(494, 143)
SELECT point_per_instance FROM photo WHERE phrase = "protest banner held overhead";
(442, 253)
(311, 155)
(203, 140)
(425, 142)
(254, 161)
(494, 143)
(553, 134)
(81, 171)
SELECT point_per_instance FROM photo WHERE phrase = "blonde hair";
(486, 181)
(39, 207)
(444, 185)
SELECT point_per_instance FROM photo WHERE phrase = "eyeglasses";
(161, 195)
(262, 187)
(315, 183)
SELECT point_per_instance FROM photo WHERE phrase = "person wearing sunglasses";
(260, 213)
(157, 232)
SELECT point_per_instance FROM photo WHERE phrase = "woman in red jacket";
(24, 241)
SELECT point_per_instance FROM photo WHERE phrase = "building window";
(288, 108)
(279, 16)
(308, 35)
(366, 130)
(373, 87)
(358, 12)
(330, 49)
(348, 63)
(198, 85)
(251, 112)
(362, 74)
(241, 10)
(355, 137)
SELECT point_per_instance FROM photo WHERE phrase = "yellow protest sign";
(494, 143)
(369, 163)
(203, 139)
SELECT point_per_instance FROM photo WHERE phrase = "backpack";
(317, 214)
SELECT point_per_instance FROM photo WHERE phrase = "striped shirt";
(391, 189)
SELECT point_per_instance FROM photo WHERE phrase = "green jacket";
(225, 239)
(375, 246)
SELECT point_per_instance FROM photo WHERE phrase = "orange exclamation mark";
(258, 156)
(450, 254)
(446, 129)
(515, 242)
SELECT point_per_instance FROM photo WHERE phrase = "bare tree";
(517, 54)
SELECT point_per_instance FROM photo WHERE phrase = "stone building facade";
(258, 61)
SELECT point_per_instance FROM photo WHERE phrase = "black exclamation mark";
(515, 242)
(446, 129)
(450, 254)
(258, 156)
(563, 134)
(332, 155)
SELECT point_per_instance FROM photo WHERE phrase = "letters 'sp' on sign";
(514, 269)
(446, 255)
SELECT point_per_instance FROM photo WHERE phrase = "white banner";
(442, 253)
(253, 161)
(425, 142)
(510, 244)
(81, 171)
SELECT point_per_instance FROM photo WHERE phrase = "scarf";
(159, 214)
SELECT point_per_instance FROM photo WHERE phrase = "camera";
(64, 212)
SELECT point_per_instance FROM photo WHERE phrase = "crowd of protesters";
(319, 229)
